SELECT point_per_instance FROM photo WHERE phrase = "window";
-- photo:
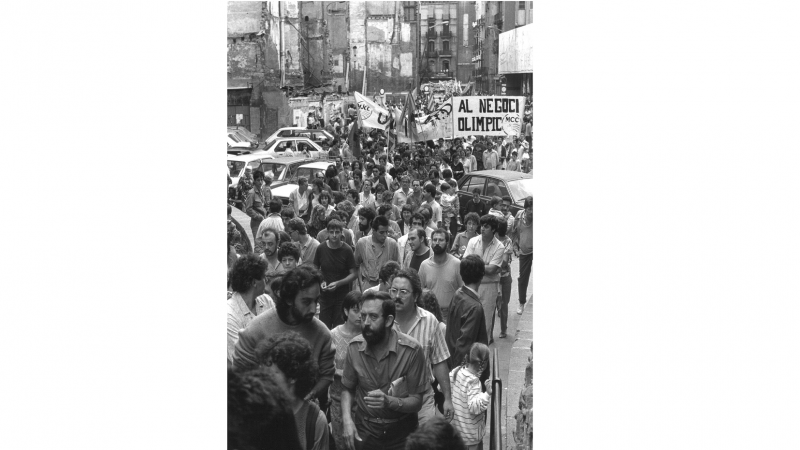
(445, 29)
(496, 188)
(521, 5)
(409, 15)
(474, 183)
(445, 46)
(446, 65)
(431, 46)
(235, 168)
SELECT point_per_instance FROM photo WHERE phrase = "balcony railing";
(431, 34)
(445, 53)
(431, 53)
(431, 21)
(446, 34)
(444, 74)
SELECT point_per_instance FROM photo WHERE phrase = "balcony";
(431, 21)
(498, 20)
(477, 47)
(445, 53)
(446, 34)
(431, 34)
(443, 74)
(431, 54)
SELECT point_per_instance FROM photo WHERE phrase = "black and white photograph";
(380, 214)
(382, 289)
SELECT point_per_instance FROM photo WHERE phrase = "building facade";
(492, 19)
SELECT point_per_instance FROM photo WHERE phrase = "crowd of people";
(368, 303)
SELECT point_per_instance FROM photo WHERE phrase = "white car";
(317, 136)
(237, 164)
(294, 146)
(309, 171)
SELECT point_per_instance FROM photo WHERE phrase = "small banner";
(439, 123)
(371, 114)
(487, 115)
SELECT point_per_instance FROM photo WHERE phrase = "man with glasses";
(423, 326)
(490, 250)
(373, 251)
(441, 273)
(385, 372)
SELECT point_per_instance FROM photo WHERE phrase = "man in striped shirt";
(423, 326)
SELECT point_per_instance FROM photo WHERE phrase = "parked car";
(297, 145)
(283, 170)
(501, 183)
(318, 136)
(237, 164)
(307, 170)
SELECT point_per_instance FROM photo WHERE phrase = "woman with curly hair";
(289, 359)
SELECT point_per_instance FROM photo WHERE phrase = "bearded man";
(295, 307)
(385, 372)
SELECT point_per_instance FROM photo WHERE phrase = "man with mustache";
(423, 326)
(441, 273)
(295, 307)
(386, 374)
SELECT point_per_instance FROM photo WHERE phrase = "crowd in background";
(366, 308)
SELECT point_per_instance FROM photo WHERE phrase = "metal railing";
(495, 427)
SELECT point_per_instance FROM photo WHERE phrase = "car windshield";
(521, 189)
(234, 137)
(306, 172)
(271, 169)
(235, 167)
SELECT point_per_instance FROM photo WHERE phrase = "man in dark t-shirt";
(418, 241)
(338, 266)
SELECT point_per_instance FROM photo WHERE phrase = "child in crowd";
(468, 400)
(448, 201)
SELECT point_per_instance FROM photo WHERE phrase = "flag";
(370, 114)
(406, 127)
(353, 140)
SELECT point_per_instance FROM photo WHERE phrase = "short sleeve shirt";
(426, 330)
(363, 372)
(491, 255)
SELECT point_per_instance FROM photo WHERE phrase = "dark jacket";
(465, 326)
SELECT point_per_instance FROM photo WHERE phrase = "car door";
(471, 182)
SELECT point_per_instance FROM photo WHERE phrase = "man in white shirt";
(490, 249)
(429, 195)
(401, 195)
(274, 219)
(298, 199)
(308, 245)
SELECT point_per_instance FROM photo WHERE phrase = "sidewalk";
(513, 352)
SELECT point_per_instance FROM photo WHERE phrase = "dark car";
(501, 183)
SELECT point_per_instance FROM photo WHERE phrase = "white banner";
(487, 116)
(372, 115)
(439, 124)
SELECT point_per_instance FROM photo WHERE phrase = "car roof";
(507, 175)
(289, 159)
(250, 157)
(317, 165)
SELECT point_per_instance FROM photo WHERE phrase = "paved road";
(513, 352)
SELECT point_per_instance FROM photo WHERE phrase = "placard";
(487, 116)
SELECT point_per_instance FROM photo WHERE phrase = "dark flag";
(353, 140)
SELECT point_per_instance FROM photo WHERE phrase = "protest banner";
(439, 123)
(371, 114)
(487, 115)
